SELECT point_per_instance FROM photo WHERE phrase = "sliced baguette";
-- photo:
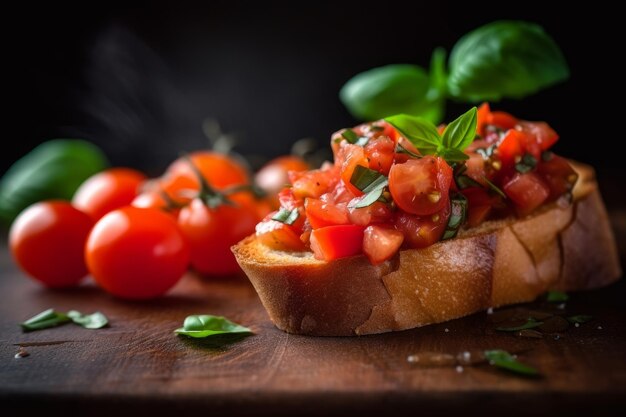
(500, 262)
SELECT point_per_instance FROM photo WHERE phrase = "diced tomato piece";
(381, 243)
(348, 158)
(334, 242)
(321, 214)
(278, 236)
(312, 183)
(476, 168)
(511, 148)
(401, 158)
(541, 133)
(422, 231)
(479, 204)
(500, 119)
(482, 118)
(420, 186)
(558, 174)
(528, 191)
(288, 200)
(374, 213)
(380, 153)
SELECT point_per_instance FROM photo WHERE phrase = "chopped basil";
(205, 325)
(580, 318)
(44, 320)
(371, 182)
(494, 187)
(556, 297)
(531, 323)
(526, 164)
(402, 149)
(52, 318)
(376, 128)
(95, 320)
(349, 135)
(369, 198)
(464, 181)
(286, 216)
(504, 360)
(458, 210)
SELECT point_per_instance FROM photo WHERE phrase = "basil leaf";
(402, 149)
(420, 132)
(206, 325)
(366, 179)
(461, 131)
(44, 320)
(504, 360)
(557, 297)
(580, 318)
(531, 323)
(504, 59)
(95, 320)
(349, 135)
(464, 181)
(286, 216)
(453, 155)
(53, 170)
(387, 90)
(494, 187)
(526, 164)
(369, 198)
(458, 210)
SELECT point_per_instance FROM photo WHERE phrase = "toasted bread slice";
(500, 262)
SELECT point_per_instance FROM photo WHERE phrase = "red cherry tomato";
(47, 241)
(381, 243)
(420, 186)
(219, 170)
(334, 242)
(273, 176)
(212, 231)
(137, 253)
(107, 191)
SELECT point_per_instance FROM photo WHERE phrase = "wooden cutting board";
(137, 365)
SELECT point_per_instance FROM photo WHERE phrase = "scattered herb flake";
(350, 135)
(205, 325)
(286, 216)
(504, 360)
(556, 297)
(527, 164)
(580, 318)
(531, 323)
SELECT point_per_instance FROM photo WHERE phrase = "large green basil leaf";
(53, 169)
(205, 325)
(504, 59)
(392, 89)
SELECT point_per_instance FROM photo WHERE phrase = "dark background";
(139, 81)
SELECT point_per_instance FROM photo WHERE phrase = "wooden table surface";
(138, 364)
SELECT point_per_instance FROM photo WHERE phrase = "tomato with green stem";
(47, 241)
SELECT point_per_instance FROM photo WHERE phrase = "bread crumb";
(490, 310)
(459, 369)
(599, 327)
(446, 330)
(577, 324)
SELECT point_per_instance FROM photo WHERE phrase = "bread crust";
(503, 262)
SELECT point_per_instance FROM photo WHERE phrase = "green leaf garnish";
(95, 320)
(526, 164)
(580, 318)
(464, 181)
(205, 325)
(458, 210)
(504, 59)
(424, 135)
(494, 187)
(504, 360)
(371, 182)
(402, 149)
(531, 323)
(557, 297)
(286, 216)
(349, 135)
(45, 319)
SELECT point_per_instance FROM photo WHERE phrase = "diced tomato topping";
(374, 213)
(347, 160)
(528, 191)
(499, 119)
(420, 186)
(558, 174)
(511, 148)
(422, 231)
(541, 133)
(312, 183)
(379, 153)
(381, 243)
(321, 213)
(334, 242)
(277, 235)
(479, 204)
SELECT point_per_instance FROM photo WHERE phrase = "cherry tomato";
(334, 242)
(420, 186)
(219, 170)
(528, 191)
(212, 231)
(107, 191)
(137, 253)
(47, 241)
(422, 231)
(272, 177)
(381, 243)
